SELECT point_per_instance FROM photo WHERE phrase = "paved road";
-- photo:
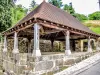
(94, 70)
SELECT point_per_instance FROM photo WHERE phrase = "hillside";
(94, 25)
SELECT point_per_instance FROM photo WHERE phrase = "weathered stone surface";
(78, 59)
(31, 65)
(37, 59)
(31, 59)
(44, 65)
(23, 62)
(5, 65)
(59, 62)
(52, 57)
(10, 66)
(69, 62)
(20, 68)
(46, 57)
(23, 55)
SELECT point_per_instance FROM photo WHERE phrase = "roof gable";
(49, 12)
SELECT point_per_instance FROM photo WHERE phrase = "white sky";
(81, 6)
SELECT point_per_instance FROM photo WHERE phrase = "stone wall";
(45, 46)
(26, 64)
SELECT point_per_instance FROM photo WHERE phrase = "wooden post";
(15, 50)
(81, 45)
(52, 46)
(73, 45)
(29, 45)
(67, 38)
(5, 44)
(89, 45)
(36, 51)
(97, 44)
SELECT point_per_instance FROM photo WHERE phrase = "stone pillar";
(81, 45)
(89, 45)
(67, 39)
(36, 51)
(15, 50)
(5, 44)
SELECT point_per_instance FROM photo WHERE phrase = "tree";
(66, 8)
(94, 16)
(69, 8)
(57, 3)
(81, 17)
(33, 5)
(5, 14)
(18, 12)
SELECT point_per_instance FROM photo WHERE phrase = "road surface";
(94, 70)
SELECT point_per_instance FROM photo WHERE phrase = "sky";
(81, 6)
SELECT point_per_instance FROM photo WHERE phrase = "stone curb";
(82, 66)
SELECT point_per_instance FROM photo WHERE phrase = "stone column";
(89, 45)
(36, 51)
(5, 44)
(15, 50)
(67, 38)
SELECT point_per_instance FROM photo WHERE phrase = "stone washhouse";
(46, 22)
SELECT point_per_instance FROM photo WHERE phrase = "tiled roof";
(49, 12)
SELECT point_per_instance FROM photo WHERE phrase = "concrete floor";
(94, 70)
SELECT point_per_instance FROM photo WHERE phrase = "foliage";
(33, 5)
(5, 14)
(94, 27)
(18, 12)
(81, 17)
(94, 16)
(69, 8)
(57, 3)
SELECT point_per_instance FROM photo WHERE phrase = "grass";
(49, 73)
(61, 69)
(94, 27)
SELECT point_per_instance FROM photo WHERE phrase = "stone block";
(69, 62)
(78, 59)
(55, 57)
(31, 59)
(23, 62)
(20, 68)
(23, 56)
(44, 65)
(31, 65)
(10, 66)
(59, 62)
(37, 59)
(47, 57)
(4, 65)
